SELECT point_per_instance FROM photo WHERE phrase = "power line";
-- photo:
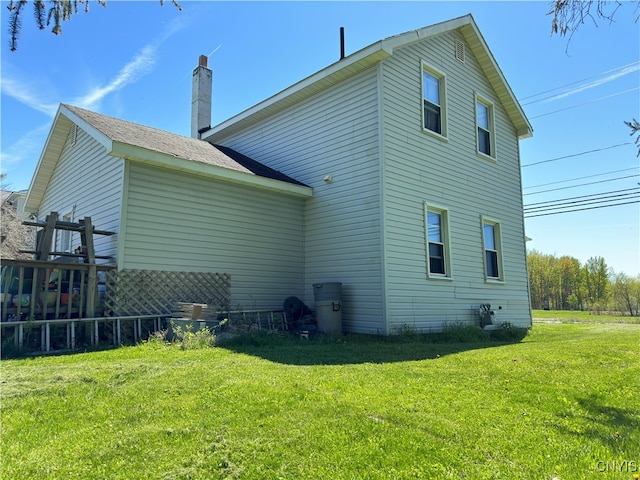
(578, 81)
(581, 178)
(584, 196)
(582, 209)
(580, 203)
(581, 185)
(577, 154)
(586, 86)
(586, 103)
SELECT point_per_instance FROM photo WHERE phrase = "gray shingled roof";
(179, 146)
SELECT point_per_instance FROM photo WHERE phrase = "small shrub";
(189, 340)
(156, 340)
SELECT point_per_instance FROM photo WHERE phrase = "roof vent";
(73, 136)
(460, 51)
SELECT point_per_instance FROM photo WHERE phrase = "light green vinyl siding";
(449, 173)
(88, 182)
(334, 133)
(183, 222)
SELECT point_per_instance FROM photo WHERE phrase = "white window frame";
(442, 94)
(491, 127)
(64, 238)
(444, 240)
(497, 250)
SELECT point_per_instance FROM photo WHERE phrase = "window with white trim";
(437, 233)
(492, 245)
(64, 236)
(485, 128)
(433, 101)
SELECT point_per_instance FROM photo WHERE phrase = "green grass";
(583, 317)
(555, 404)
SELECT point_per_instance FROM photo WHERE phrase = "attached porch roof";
(366, 58)
(143, 144)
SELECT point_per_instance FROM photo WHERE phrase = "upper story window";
(433, 100)
(437, 242)
(485, 128)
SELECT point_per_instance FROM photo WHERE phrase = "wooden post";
(42, 253)
(44, 246)
(86, 236)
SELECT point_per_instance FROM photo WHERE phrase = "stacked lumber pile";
(194, 311)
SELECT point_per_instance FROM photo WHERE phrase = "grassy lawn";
(563, 402)
(588, 317)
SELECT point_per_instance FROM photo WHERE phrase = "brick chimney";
(201, 98)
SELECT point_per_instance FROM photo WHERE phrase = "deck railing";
(41, 290)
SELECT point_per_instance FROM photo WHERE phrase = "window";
(484, 121)
(434, 119)
(437, 242)
(492, 249)
(64, 236)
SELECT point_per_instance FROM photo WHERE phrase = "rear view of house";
(422, 219)
(394, 171)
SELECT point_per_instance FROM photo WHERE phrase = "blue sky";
(134, 60)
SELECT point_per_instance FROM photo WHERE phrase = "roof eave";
(492, 71)
(149, 157)
(369, 56)
(52, 150)
(331, 75)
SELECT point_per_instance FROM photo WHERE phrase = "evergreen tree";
(56, 12)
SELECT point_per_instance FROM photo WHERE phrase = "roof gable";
(149, 145)
(368, 57)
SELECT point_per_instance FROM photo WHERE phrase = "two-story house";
(394, 171)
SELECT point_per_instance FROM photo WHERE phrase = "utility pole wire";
(581, 203)
(581, 178)
(586, 103)
(586, 86)
(584, 196)
(577, 154)
(578, 81)
(580, 185)
(581, 209)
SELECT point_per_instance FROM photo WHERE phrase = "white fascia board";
(149, 157)
(524, 128)
(97, 135)
(317, 82)
(51, 151)
(53, 147)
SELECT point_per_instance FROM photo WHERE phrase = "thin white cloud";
(19, 159)
(596, 83)
(25, 93)
(139, 66)
(27, 148)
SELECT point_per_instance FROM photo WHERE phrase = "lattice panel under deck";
(150, 292)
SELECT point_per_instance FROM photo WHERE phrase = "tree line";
(563, 283)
